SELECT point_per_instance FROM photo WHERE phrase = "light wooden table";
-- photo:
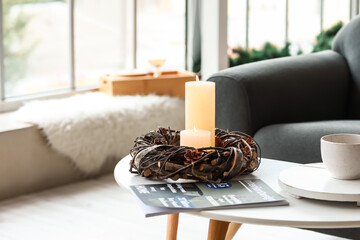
(301, 213)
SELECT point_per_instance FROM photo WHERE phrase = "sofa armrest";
(290, 89)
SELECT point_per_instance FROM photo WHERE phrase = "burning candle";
(195, 138)
(200, 106)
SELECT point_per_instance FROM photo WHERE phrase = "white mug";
(341, 155)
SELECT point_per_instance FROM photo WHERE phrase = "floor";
(100, 209)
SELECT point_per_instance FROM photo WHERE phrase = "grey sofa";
(287, 104)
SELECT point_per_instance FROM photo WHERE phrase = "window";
(100, 39)
(251, 23)
(161, 33)
(53, 46)
(334, 11)
(35, 46)
(266, 22)
(237, 23)
(304, 24)
(56, 45)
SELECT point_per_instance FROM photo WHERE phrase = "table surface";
(303, 212)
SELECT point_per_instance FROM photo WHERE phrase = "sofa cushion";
(300, 142)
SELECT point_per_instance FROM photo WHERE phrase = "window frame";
(2, 75)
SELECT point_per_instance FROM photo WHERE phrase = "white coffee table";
(302, 213)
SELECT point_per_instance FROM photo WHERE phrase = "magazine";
(168, 198)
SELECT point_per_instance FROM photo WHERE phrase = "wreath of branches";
(159, 154)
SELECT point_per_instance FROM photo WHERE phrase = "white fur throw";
(93, 126)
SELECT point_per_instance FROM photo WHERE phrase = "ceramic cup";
(341, 155)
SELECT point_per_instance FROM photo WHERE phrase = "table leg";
(217, 229)
(232, 230)
(172, 226)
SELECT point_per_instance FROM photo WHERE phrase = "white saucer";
(314, 181)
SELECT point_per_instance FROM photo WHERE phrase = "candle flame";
(195, 129)
(197, 78)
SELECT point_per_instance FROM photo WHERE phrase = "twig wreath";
(159, 154)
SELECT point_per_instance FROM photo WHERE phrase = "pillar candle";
(200, 106)
(195, 138)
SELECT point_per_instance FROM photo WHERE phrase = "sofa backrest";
(347, 43)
